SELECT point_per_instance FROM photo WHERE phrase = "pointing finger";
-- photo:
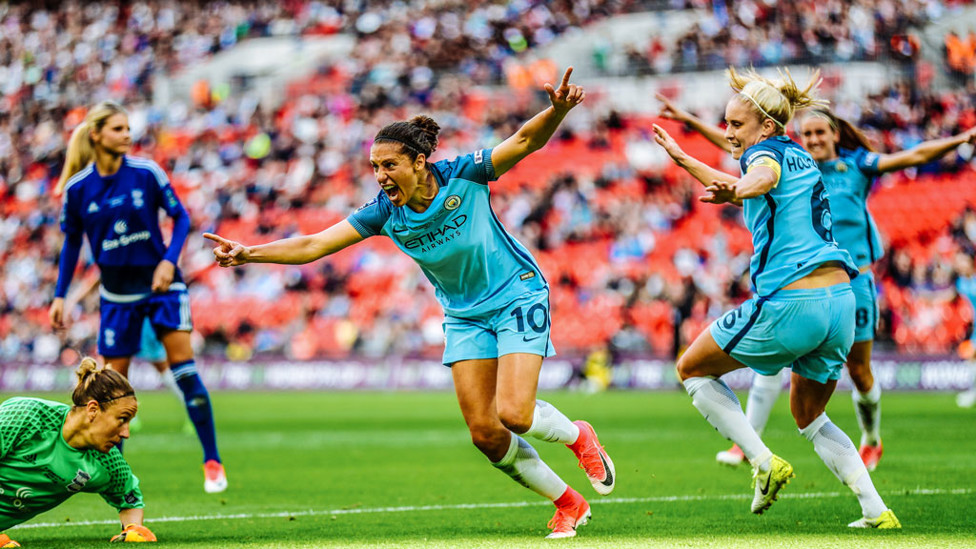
(216, 238)
(566, 76)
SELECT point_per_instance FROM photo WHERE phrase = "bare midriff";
(828, 274)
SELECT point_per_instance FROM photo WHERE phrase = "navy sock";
(197, 406)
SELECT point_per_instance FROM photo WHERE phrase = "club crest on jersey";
(137, 201)
(79, 482)
(120, 227)
(452, 202)
(92, 208)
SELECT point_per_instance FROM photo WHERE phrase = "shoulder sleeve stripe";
(147, 164)
(78, 177)
(761, 154)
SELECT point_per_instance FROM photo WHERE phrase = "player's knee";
(176, 356)
(804, 414)
(490, 439)
(685, 368)
(515, 418)
(860, 372)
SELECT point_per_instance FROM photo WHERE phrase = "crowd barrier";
(894, 372)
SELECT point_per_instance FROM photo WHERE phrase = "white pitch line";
(502, 505)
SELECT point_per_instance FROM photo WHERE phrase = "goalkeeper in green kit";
(50, 451)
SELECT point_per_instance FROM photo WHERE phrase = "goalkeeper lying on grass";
(51, 451)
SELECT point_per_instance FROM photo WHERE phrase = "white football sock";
(550, 425)
(721, 408)
(867, 408)
(522, 463)
(762, 396)
(839, 454)
(170, 382)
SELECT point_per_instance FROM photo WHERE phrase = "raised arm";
(698, 169)
(712, 133)
(924, 152)
(535, 133)
(288, 251)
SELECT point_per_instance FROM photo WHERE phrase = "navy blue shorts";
(120, 333)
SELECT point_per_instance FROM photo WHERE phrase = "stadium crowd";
(616, 229)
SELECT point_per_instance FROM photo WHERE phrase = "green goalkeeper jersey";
(38, 470)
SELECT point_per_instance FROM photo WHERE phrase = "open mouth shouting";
(392, 192)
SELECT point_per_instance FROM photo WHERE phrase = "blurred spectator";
(635, 261)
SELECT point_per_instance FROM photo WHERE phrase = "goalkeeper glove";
(133, 533)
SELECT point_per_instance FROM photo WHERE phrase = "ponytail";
(81, 150)
(777, 100)
(417, 136)
(100, 384)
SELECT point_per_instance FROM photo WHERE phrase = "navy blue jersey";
(475, 265)
(849, 179)
(791, 224)
(120, 216)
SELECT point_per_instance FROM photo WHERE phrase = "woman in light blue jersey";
(849, 167)
(114, 199)
(966, 289)
(495, 298)
(802, 315)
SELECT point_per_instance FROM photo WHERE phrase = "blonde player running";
(802, 315)
(849, 167)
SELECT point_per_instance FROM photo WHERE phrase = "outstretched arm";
(714, 134)
(132, 528)
(535, 133)
(289, 251)
(698, 169)
(759, 181)
(924, 152)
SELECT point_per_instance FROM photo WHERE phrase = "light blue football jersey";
(475, 265)
(849, 179)
(791, 224)
(966, 287)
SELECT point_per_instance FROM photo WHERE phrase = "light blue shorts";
(866, 311)
(810, 331)
(522, 326)
(150, 347)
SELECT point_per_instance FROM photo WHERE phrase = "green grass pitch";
(398, 470)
